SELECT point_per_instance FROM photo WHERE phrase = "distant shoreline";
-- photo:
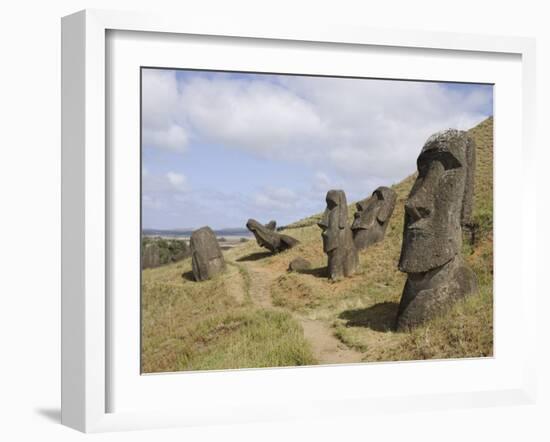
(226, 241)
(229, 238)
(186, 234)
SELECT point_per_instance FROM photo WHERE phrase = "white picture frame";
(87, 202)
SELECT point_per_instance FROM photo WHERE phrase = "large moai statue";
(267, 237)
(439, 203)
(372, 217)
(207, 257)
(337, 236)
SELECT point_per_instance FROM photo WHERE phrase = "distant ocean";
(186, 233)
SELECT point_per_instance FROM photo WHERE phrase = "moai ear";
(387, 206)
(342, 210)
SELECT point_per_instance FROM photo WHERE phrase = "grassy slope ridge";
(217, 324)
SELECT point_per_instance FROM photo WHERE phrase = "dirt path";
(327, 349)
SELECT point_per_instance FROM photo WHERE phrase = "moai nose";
(418, 206)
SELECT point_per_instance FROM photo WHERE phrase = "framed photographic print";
(269, 223)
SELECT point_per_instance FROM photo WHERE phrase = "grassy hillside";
(258, 315)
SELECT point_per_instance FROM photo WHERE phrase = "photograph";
(301, 220)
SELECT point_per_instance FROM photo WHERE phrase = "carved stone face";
(433, 211)
(254, 226)
(267, 237)
(372, 217)
(334, 219)
(337, 238)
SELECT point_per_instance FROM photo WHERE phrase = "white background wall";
(30, 215)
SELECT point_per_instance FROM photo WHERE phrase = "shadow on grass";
(188, 276)
(379, 317)
(319, 272)
(254, 256)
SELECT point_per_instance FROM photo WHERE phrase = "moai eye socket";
(447, 159)
(331, 204)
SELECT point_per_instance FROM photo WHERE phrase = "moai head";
(207, 257)
(372, 217)
(337, 238)
(440, 201)
(267, 237)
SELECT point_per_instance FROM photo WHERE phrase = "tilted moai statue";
(438, 204)
(207, 257)
(337, 236)
(267, 237)
(372, 217)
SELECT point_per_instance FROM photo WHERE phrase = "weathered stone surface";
(337, 237)
(432, 236)
(372, 217)
(207, 257)
(298, 264)
(268, 238)
(428, 294)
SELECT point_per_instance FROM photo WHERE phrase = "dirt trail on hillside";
(327, 349)
(234, 285)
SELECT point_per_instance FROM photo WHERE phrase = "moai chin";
(439, 203)
(372, 217)
(267, 237)
(337, 236)
(206, 256)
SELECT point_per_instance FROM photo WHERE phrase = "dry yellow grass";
(212, 325)
(188, 325)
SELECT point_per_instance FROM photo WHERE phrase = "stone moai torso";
(337, 236)
(439, 203)
(267, 237)
(207, 257)
(372, 217)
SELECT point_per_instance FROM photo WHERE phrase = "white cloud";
(150, 202)
(162, 127)
(159, 98)
(169, 183)
(173, 138)
(276, 198)
(258, 116)
(353, 127)
(343, 133)
(178, 181)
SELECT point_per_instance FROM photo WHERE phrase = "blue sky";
(219, 148)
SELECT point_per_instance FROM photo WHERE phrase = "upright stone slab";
(372, 217)
(267, 237)
(440, 199)
(207, 257)
(337, 237)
